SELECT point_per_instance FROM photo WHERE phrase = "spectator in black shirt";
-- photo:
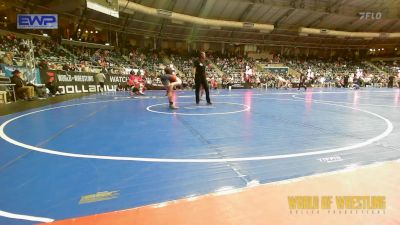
(391, 81)
(200, 77)
(21, 87)
(302, 82)
(346, 81)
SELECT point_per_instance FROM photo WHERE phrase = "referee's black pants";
(198, 83)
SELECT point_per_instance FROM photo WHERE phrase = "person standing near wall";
(101, 78)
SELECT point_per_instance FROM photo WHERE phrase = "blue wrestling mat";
(109, 152)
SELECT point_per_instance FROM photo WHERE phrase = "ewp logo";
(37, 21)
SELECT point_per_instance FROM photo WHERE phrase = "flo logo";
(370, 15)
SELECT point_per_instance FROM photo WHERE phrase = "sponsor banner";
(37, 21)
(84, 88)
(81, 82)
(28, 75)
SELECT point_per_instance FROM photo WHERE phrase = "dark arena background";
(200, 112)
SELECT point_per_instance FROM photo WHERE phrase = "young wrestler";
(170, 80)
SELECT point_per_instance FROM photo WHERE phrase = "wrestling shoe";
(173, 107)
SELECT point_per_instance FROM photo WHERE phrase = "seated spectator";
(52, 86)
(136, 83)
(214, 83)
(21, 87)
(121, 87)
(8, 59)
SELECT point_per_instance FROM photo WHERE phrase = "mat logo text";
(336, 202)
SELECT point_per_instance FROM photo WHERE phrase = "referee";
(200, 77)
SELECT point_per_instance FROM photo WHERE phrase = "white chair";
(3, 97)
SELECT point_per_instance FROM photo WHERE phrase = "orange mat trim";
(376, 186)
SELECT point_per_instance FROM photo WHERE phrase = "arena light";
(46, 35)
(79, 29)
(324, 31)
(5, 17)
(248, 25)
(107, 44)
(96, 32)
(163, 12)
